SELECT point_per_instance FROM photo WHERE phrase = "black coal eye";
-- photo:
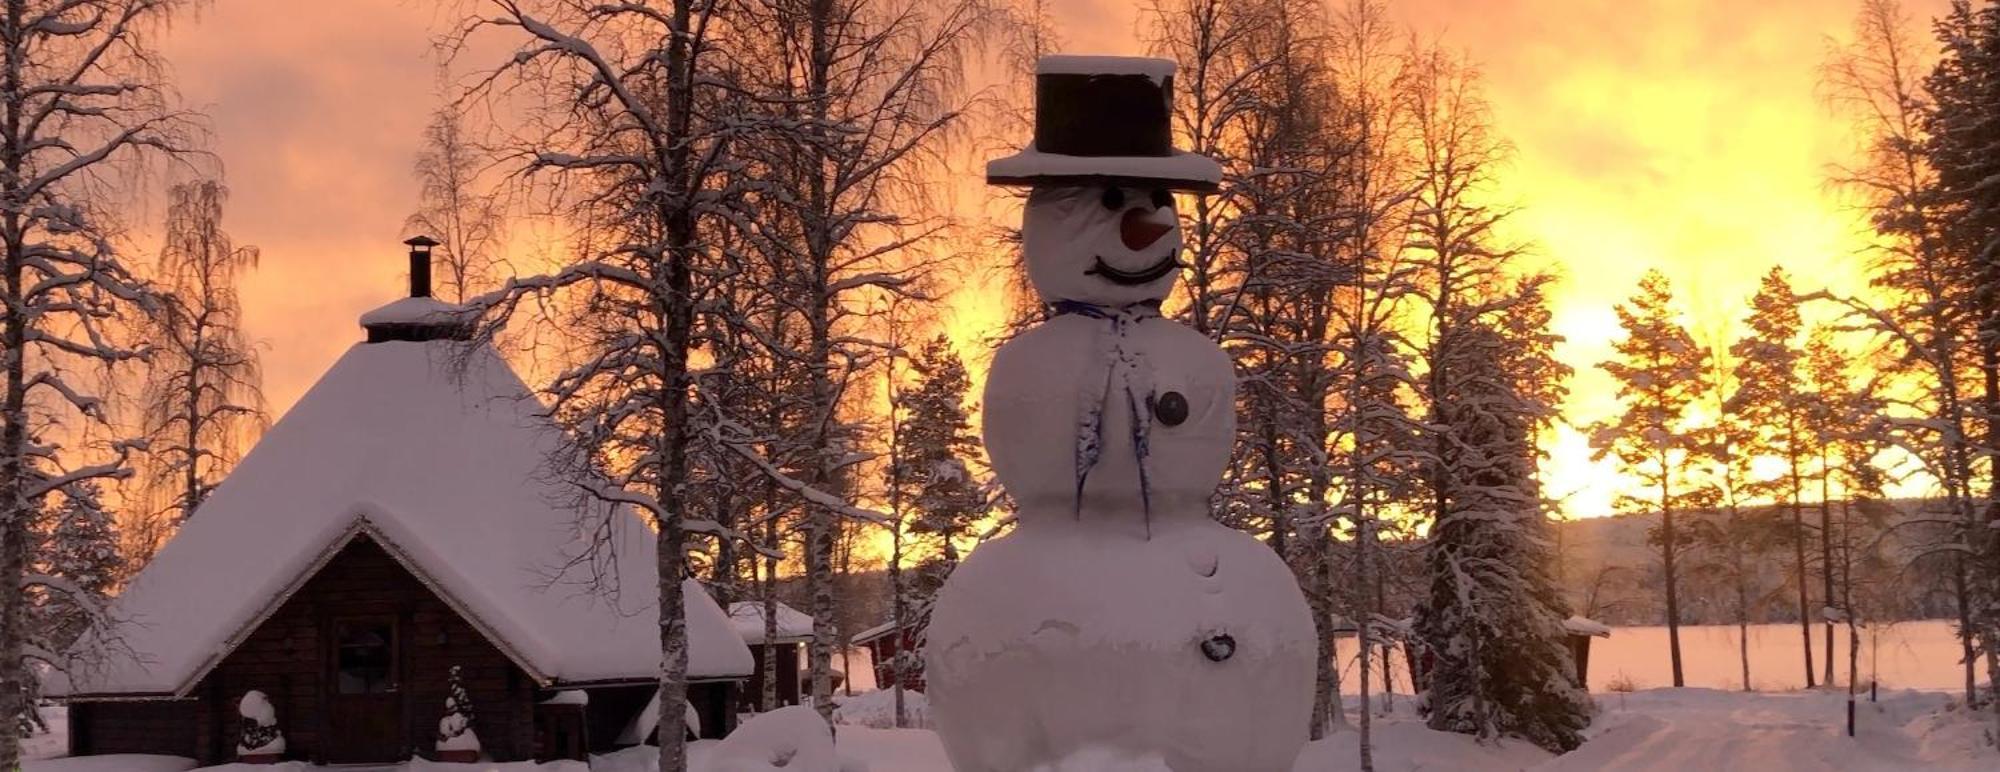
(1162, 199)
(1114, 199)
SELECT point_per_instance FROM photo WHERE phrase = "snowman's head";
(1111, 245)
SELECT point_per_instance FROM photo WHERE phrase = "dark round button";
(1171, 408)
(1219, 648)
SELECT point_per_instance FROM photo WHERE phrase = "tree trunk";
(1826, 562)
(1799, 571)
(676, 318)
(1669, 547)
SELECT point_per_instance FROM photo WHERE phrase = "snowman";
(1117, 627)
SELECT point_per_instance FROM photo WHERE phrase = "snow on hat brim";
(1182, 171)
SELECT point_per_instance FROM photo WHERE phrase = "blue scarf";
(1126, 369)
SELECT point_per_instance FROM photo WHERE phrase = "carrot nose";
(1141, 227)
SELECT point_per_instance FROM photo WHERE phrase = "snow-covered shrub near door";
(260, 727)
(455, 735)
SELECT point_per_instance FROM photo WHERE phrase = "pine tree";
(938, 448)
(1769, 399)
(455, 729)
(1917, 304)
(79, 554)
(1964, 149)
(1661, 373)
(1493, 621)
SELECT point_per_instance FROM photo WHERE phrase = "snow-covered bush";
(793, 739)
(455, 729)
(260, 726)
(877, 709)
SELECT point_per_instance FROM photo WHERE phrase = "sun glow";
(1681, 135)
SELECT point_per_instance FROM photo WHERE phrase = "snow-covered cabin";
(397, 522)
(794, 630)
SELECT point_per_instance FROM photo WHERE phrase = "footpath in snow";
(1657, 730)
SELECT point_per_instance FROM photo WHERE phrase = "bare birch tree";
(83, 102)
(202, 402)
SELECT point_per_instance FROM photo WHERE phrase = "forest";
(752, 226)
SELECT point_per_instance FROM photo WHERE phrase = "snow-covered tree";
(632, 164)
(1494, 620)
(939, 449)
(857, 97)
(87, 107)
(1726, 542)
(1770, 400)
(78, 546)
(202, 403)
(1964, 140)
(455, 207)
(1916, 313)
(259, 734)
(1661, 374)
(455, 728)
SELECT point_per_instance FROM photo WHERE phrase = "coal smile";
(1146, 275)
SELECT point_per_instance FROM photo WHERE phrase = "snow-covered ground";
(1655, 730)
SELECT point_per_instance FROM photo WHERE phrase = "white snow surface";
(1076, 64)
(793, 739)
(1181, 165)
(117, 762)
(446, 467)
(414, 310)
(1579, 625)
(877, 709)
(465, 740)
(747, 616)
(256, 707)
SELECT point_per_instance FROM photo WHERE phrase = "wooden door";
(364, 699)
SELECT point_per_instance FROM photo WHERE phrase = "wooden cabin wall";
(159, 727)
(288, 659)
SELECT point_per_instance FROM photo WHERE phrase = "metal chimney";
(420, 265)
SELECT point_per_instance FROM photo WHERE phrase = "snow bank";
(127, 762)
(792, 739)
(877, 709)
(1578, 625)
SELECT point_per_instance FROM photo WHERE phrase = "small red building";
(397, 522)
(884, 642)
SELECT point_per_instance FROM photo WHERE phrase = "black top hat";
(1105, 120)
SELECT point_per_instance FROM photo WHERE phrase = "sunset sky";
(1684, 135)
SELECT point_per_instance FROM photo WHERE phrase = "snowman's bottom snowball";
(1064, 640)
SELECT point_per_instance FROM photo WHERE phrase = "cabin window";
(365, 656)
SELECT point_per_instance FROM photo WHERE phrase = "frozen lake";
(1906, 655)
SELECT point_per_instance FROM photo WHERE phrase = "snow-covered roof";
(1579, 625)
(875, 632)
(415, 310)
(748, 618)
(444, 466)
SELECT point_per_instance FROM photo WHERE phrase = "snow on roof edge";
(1079, 64)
